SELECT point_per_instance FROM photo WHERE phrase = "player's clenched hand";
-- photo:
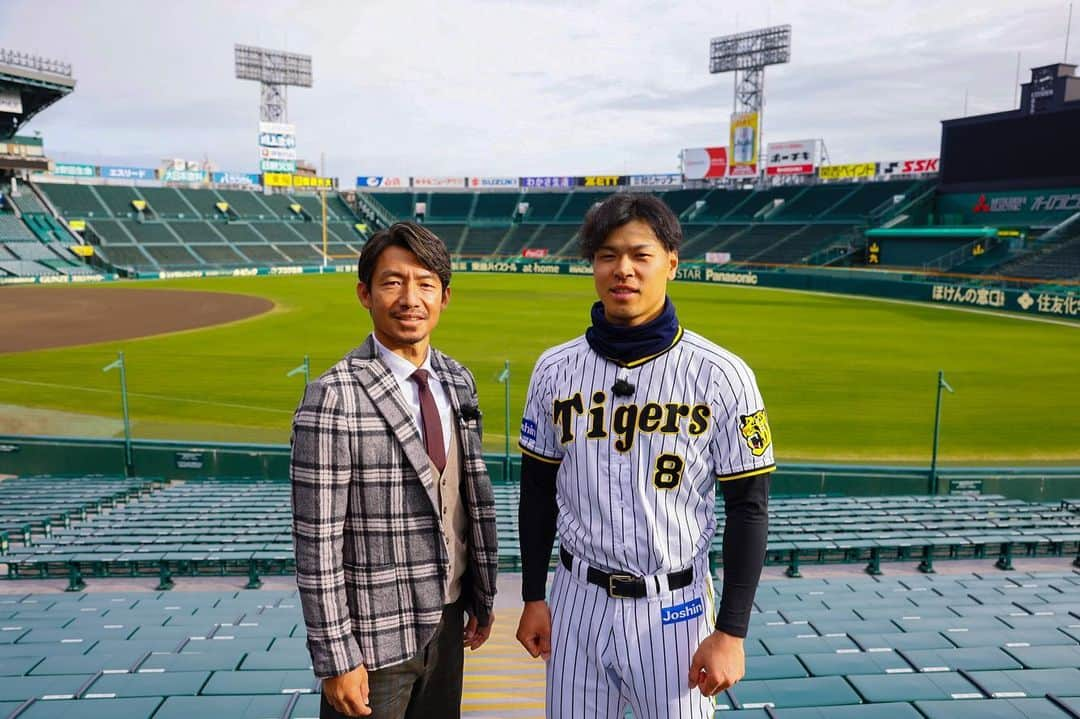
(475, 635)
(534, 629)
(717, 664)
(348, 693)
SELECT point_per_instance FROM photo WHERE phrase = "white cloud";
(491, 87)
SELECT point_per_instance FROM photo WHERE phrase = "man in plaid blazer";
(393, 512)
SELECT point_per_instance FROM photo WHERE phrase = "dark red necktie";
(429, 416)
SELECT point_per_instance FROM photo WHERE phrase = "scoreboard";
(1031, 150)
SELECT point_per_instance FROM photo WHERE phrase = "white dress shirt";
(402, 369)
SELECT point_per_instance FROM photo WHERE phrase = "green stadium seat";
(849, 627)
(55, 687)
(950, 660)
(1009, 638)
(949, 624)
(1072, 704)
(809, 644)
(177, 633)
(1044, 657)
(83, 636)
(238, 707)
(116, 646)
(910, 614)
(306, 706)
(288, 659)
(1049, 620)
(88, 663)
(832, 664)
(910, 687)
(779, 629)
(857, 711)
(207, 661)
(18, 666)
(991, 709)
(129, 708)
(783, 693)
(252, 644)
(778, 667)
(13, 651)
(1018, 683)
(261, 682)
(295, 644)
(157, 684)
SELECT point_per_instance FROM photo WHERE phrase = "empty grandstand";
(151, 229)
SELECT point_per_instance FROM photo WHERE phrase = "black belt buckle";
(627, 580)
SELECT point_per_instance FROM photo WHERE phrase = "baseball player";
(626, 432)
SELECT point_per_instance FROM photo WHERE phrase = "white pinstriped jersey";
(636, 485)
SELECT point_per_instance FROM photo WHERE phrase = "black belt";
(627, 586)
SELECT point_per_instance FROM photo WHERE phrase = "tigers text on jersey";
(638, 466)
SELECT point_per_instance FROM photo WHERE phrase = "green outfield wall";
(24, 456)
(1052, 301)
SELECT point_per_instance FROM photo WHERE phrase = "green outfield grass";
(843, 378)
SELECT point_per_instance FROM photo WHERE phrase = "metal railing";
(34, 62)
(960, 254)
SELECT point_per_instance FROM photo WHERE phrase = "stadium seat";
(153, 684)
(1013, 683)
(858, 711)
(234, 707)
(261, 682)
(118, 708)
(836, 664)
(1044, 657)
(66, 686)
(783, 693)
(969, 659)
(777, 667)
(910, 687)
(992, 709)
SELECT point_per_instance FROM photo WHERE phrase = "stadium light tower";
(747, 54)
(276, 70)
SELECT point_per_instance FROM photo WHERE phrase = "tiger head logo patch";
(755, 431)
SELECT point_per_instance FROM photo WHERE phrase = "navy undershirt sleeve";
(537, 512)
(746, 532)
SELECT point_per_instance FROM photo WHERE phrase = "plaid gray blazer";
(371, 563)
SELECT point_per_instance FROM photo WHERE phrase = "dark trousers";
(428, 685)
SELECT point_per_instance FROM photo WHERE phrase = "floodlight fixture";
(275, 70)
(749, 50)
(747, 54)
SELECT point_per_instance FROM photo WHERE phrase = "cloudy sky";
(544, 87)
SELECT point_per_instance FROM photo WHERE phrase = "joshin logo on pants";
(682, 612)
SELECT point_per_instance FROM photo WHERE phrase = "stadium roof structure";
(28, 85)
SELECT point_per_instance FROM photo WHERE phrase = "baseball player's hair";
(422, 242)
(621, 208)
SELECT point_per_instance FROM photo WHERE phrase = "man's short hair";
(624, 207)
(422, 242)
